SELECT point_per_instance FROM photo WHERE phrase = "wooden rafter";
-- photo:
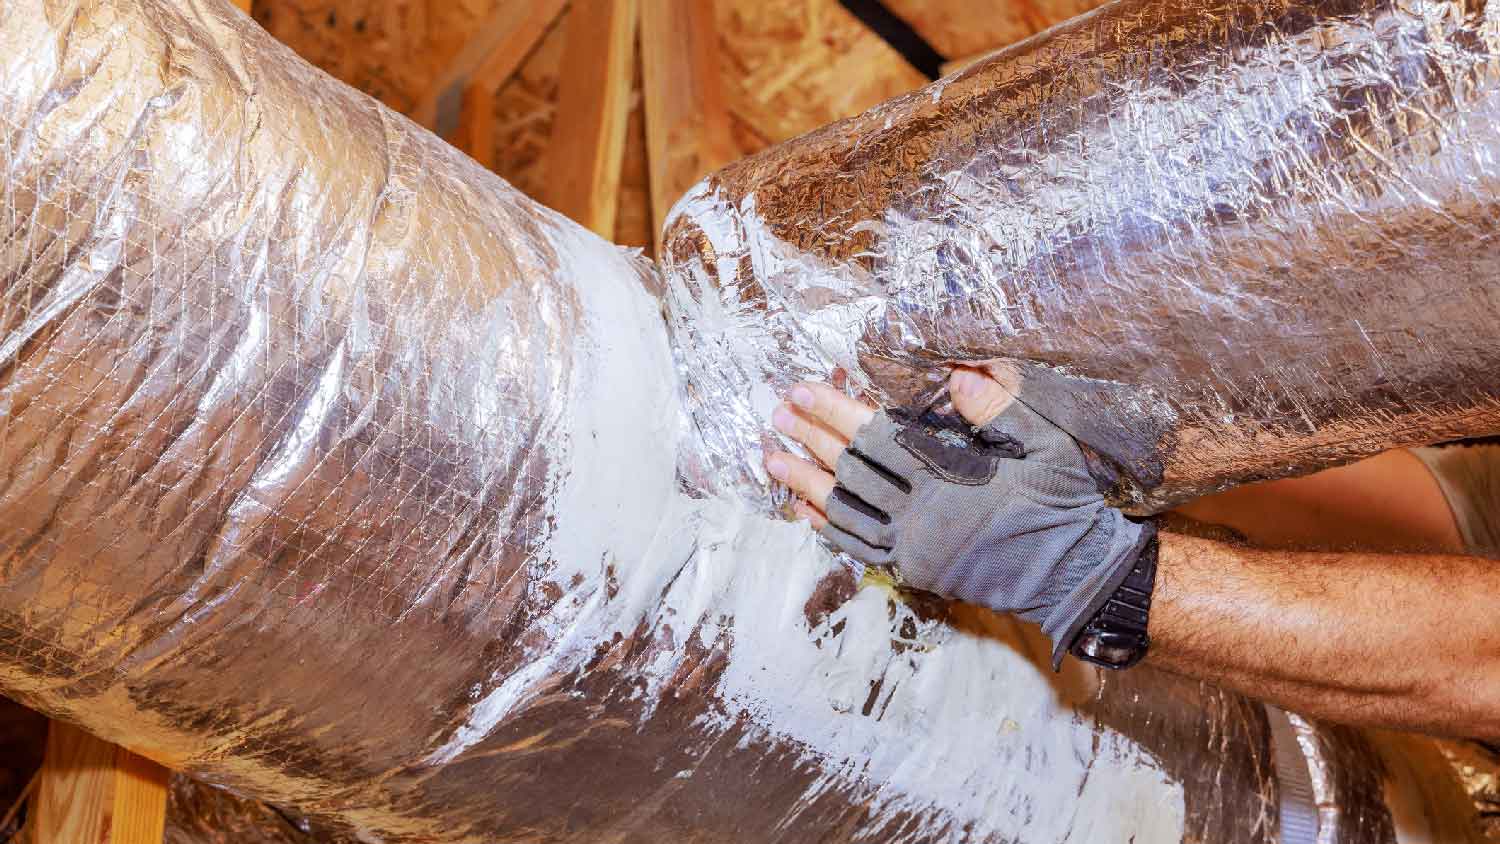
(687, 122)
(593, 108)
(93, 792)
(458, 105)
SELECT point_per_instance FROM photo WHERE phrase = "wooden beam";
(475, 134)
(140, 814)
(593, 110)
(497, 48)
(93, 792)
(687, 122)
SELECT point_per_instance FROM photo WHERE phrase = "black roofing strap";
(899, 34)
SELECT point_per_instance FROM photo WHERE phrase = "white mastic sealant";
(962, 723)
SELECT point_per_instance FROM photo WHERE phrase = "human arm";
(1316, 619)
(1408, 641)
(1360, 637)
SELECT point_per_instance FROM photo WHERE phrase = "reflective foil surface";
(334, 471)
(1227, 241)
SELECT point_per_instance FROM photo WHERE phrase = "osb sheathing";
(789, 66)
(963, 28)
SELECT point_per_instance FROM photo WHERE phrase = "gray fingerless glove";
(1008, 518)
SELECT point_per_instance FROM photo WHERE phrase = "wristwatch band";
(1116, 636)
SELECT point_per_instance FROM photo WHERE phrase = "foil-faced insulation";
(1227, 240)
(335, 471)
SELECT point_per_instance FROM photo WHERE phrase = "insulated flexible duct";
(1227, 241)
(334, 470)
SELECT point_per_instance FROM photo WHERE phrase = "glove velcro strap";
(1098, 594)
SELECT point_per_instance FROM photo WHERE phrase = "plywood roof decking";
(524, 111)
(790, 66)
(787, 67)
(390, 49)
(963, 28)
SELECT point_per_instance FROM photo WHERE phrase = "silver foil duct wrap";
(335, 471)
(1227, 241)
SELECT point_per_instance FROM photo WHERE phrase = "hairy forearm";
(1408, 641)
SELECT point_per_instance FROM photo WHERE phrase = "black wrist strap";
(1116, 636)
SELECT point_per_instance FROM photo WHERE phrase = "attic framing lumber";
(593, 111)
(458, 104)
(687, 119)
(92, 792)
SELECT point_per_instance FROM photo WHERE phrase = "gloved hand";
(1008, 517)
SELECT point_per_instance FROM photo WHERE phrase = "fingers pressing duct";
(810, 482)
(803, 510)
(822, 441)
(845, 416)
(976, 396)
